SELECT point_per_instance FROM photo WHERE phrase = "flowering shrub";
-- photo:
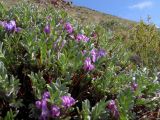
(144, 41)
(53, 68)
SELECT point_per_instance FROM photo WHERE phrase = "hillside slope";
(86, 15)
(95, 16)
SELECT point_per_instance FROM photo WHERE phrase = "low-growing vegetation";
(52, 67)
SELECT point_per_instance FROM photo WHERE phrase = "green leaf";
(86, 113)
(98, 109)
(10, 115)
(1, 51)
(126, 103)
(38, 83)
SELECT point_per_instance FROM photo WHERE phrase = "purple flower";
(45, 111)
(81, 37)
(88, 65)
(10, 26)
(101, 53)
(97, 54)
(111, 104)
(85, 39)
(67, 101)
(47, 29)
(68, 27)
(38, 104)
(134, 86)
(46, 95)
(55, 111)
(113, 108)
(94, 55)
(13, 23)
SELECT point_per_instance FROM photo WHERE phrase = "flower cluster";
(54, 110)
(68, 27)
(42, 104)
(67, 101)
(95, 55)
(113, 108)
(82, 37)
(47, 29)
(88, 66)
(10, 26)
